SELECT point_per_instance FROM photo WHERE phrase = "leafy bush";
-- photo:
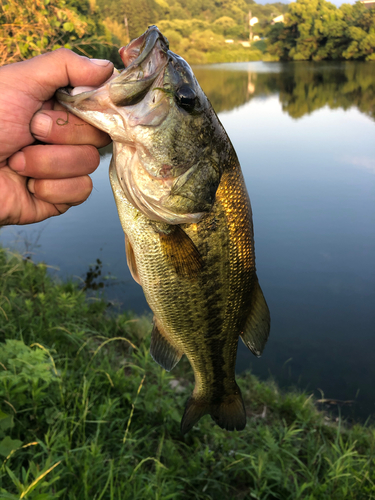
(25, 373)
(317, 30)
(33, 27)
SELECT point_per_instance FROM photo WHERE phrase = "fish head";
(169, 146)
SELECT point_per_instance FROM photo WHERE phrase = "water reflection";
(302, 87)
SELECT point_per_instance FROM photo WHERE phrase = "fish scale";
(187, 220)
(217, 320)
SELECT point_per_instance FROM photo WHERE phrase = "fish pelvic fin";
(257, 326)
(163, 351)
(181, 252)
(228, 414)
(130, 259)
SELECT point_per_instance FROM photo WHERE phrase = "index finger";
(61, 127)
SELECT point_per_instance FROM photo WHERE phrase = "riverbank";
(87, 414)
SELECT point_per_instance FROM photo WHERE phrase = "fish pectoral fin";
(162, 350)
(257, 326)
(130, 259)
(181, 252)
(229, 413)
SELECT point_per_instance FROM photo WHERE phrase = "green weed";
(86, 414)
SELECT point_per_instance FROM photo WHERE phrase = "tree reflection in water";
(303, 87)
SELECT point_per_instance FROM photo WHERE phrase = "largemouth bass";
(187, 220)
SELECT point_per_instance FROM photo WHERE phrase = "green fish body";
(187, 220)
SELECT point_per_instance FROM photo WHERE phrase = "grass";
(86, 414)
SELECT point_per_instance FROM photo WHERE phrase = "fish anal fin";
(257, 326)
(130, 259)
(162, 350)
(228, 414)
(181, 252)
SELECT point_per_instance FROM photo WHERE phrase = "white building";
(278, 19)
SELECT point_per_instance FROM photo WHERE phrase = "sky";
(336, 2)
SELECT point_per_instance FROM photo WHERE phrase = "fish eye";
(186, 98)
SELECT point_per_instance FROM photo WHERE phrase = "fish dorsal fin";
(181, 252)
(257, 327)
(162, 350)
(130, 259)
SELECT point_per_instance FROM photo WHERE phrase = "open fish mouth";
(144, 59)
(152, 110)
(139, 49)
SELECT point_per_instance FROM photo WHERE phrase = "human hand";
(38, 181)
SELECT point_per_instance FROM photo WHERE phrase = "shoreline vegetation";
(85, 413)
(202, 32)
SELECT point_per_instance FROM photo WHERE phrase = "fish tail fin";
(195, 409)
(229, 413)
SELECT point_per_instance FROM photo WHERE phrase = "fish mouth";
(130, 106)
(139, 49)
(144, 59)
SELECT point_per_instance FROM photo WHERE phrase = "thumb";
(41, 76)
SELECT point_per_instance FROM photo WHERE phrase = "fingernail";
(17, 162)
(31, 186)
(41, 125)
(100, 62)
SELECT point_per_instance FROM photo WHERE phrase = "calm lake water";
(304, 134)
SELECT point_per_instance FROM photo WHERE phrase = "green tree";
(360, 32)
(139, 14)
(32, 27)
(310, 21)
(317, 30)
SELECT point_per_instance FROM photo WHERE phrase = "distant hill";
(196, 29)
(265, 2)
(226, 17)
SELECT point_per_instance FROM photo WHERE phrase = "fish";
(187, 219)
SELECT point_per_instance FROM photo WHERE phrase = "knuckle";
(86, 187)
(41, 189)
(37, 161)
(63, 52)
(61, 208)
(93, 158)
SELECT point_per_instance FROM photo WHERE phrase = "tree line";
(317, 30)
(97, 27)
(197, 29)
